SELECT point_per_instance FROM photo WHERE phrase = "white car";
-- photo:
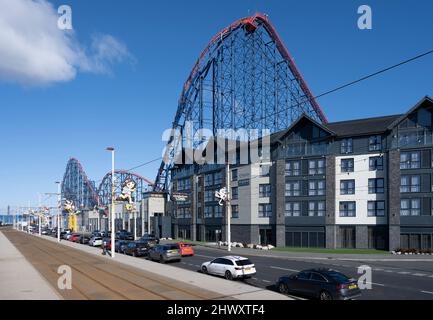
(95, 242)
(231, 267)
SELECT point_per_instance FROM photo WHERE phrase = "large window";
(208, 179)
(235, 193)
(347, 145)
(293, 209)
(347, 165)
(316, 166)
(410, 160)
(218, 211)
(218, 178)
(184, 184)
(375, 143)
(410, 207)
(376, 163)
(235, 211)
(410, 184)
(264, 190)
(293, 168)
(209, 195)
(265, 210)
(293, 189)
(208, 211)
(316, 208)
(234, 174)
(316, 187)
(347, 208)
(376, 208)
(347, 187)
(376, 185)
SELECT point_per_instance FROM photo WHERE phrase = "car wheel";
(161, 259)
(204, 269)
(228, 275)
(282, 288)
(324, 295)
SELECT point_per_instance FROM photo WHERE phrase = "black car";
(136, 249)
(323, 284)
(121, 245)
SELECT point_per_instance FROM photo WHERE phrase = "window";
(347, 187)
(316, 167)
(375, 143)
(376, 185)
(410, 160)
(208, 180)
(217, 178)
(218, 211)
(293, 168)
(187, 213)
(410, 184)
(376, 208)
(316, 208)
(234, 174)
(264, 170)
(347, 165)
(347, 145)
(410, 207)
(264, 190)
(293, 209)
(208, 211)
(347, 208)
(293, 189)
(265, 210)
(235, 211)
(209, 196)
(376, 163)
(235, 193)
(316, 188)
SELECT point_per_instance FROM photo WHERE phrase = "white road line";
(254, 278)
(403, 272)
(266, 281)
(376, 284)
(419, 274)
(389, 271)
(377, 269)
(428, 292)
(431, 276)
(286, 269)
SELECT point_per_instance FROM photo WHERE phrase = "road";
(399, 280)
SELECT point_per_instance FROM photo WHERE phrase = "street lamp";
(59, 204)
(113, 191)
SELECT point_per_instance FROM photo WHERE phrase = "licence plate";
(172, 251)
(353, 286)
(248, 269)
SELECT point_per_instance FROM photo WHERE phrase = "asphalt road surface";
(391, 280)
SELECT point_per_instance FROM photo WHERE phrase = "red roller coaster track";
(250, 24)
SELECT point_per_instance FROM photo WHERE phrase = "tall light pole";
(59, 206)
(229, 208)
(113, 195)
(39, 215)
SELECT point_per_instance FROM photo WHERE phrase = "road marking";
(266, 281)
(419, 274)
(376, 284)
(254, 278)
(286, 269)
(377, 269)
(431, 276)
(428, 292)
(404, 272)
(389, 271)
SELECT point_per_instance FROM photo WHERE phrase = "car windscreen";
(186, 245)
(244, 262)
(337, 276)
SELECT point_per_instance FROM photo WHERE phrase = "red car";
(74, 237)
(186, 249)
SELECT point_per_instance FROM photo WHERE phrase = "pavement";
(19, 280)
(99, 277)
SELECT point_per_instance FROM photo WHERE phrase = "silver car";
(165, 252)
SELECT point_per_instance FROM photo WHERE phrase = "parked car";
(231, 267)
(151, 239)
(124, 235)
(95, 241)
(121, 245)
(136, 249)
(83, 239)
(324, 284)
(165, 252)
(73, 237)
(186, 249)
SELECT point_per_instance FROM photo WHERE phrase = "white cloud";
(34, 51)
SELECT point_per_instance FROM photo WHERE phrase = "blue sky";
(130, 106)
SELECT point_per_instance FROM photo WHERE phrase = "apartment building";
(365, 183)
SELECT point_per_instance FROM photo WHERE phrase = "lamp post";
(59, 206)
(113, 195)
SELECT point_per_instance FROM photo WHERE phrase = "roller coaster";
(245, 78)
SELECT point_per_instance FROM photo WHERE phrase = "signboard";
(179, 197)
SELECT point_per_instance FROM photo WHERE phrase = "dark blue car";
(323, 284)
